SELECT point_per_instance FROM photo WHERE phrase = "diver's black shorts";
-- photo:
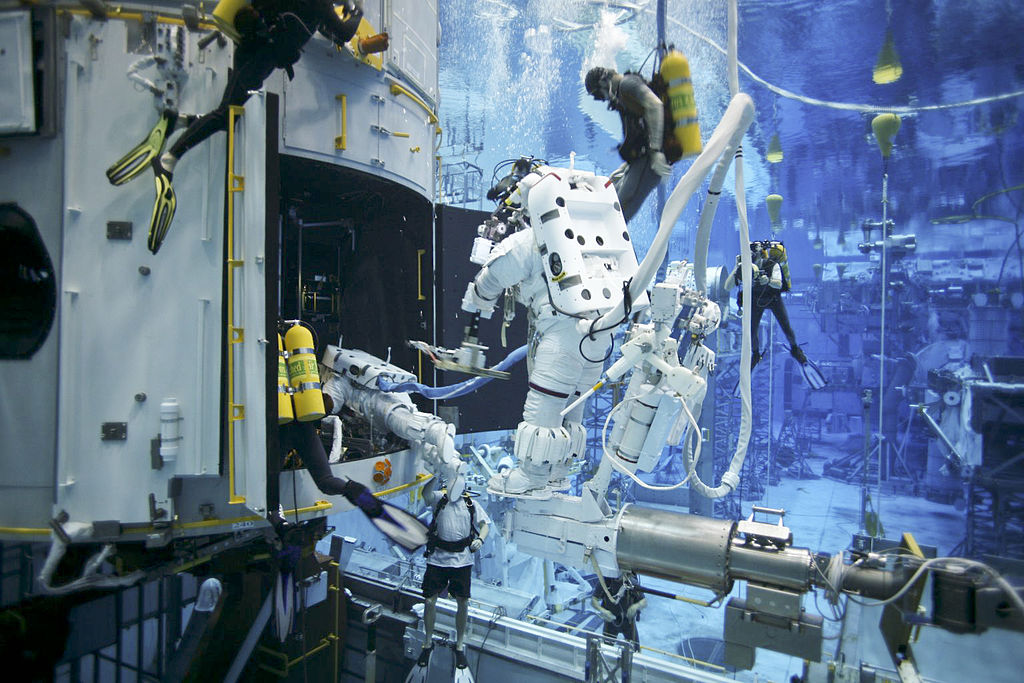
(455, 579)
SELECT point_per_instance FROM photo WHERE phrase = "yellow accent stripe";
(319, 506)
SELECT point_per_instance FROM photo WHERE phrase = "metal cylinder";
(676, 546)
(787, 568)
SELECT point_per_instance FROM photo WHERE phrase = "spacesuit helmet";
(597, 82)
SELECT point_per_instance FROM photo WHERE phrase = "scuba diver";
(302, 402)
(458, 529)
(270, 35)
(771, 279)
(619, 607)
(643, 118)
(302, 447)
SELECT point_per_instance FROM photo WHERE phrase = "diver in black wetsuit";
(643, 119)
(771, 279)
(271, 35)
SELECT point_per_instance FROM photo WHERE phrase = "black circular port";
(555, 263)
(559, 201)
(607, 294)
(585, 294)
(617, 207)
(599, 240)
(579, 238)
(625, 235)
(569, 233)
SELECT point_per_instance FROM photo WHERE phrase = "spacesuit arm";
(511, 262)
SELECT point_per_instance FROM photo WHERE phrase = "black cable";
(490, 627)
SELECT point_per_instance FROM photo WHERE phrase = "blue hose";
(454, 390)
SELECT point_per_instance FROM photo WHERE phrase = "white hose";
(725, 140)
(89, 578)
(690, 461)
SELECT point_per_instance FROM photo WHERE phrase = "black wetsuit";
(642, 118)
(274, 41)
(302, 438)
(622, 623)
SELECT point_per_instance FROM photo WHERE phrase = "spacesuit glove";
(601, 611)
(475, 545)
(762, 279)
(362, 498)
(472, 302)
(659, 164)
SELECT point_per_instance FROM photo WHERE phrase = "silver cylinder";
(675, 546)
(788, 568)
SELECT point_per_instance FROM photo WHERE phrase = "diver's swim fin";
(400, 526)
(136, 161)
(163, 207)
(462, 672)
(421, 669)
(812, 375)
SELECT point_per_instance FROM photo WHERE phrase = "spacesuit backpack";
(583, 241)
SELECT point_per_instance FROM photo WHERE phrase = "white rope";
(847, 106)
(694, 430)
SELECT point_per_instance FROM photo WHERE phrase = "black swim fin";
(136, 161)
(812, 375)
(400, 526)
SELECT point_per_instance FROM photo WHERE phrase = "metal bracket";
(114, 431)
(119, 230)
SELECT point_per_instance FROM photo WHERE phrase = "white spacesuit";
(568, 264)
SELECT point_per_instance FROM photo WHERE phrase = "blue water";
(511, 85)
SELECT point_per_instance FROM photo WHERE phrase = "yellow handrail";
(341, 141)
(421, 478)
(236, 335)
(396, 89)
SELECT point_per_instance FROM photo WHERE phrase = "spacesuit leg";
(545, 447)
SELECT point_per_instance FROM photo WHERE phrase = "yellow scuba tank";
(304, 375)
(675, 71)
(285, 414)
(224, 16)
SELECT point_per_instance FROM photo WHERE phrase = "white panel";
(250, 355)
(409, 157)
(413, 29)
(17, 106)
(28, 388)
(313, 116)
(135, 328)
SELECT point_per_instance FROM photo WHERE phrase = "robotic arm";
(354, 383)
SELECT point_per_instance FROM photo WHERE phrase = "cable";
(867, 108)
(695, 431)
(453, 390)
(945, 563)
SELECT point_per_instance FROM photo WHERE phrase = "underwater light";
(888, 68)
(774, 154)
(885, 127)
(774, 202)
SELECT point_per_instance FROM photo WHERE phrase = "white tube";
(726, 138)
(90, 577)
(170, 429)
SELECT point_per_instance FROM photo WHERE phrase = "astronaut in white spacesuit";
(575, 239)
